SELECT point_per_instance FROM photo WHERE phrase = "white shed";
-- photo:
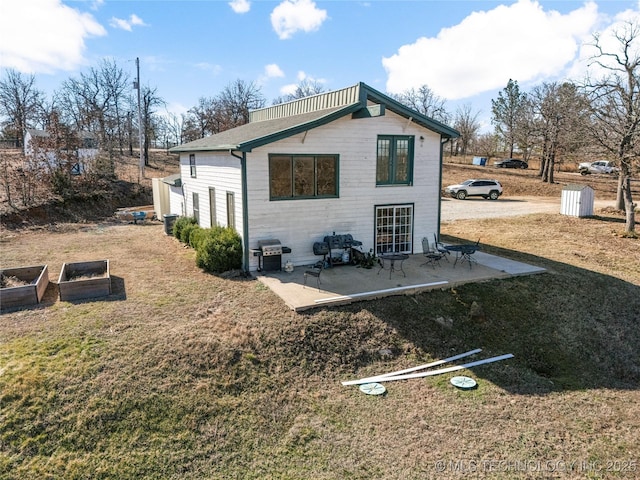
(577, 200)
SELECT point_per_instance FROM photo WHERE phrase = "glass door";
(394, 229)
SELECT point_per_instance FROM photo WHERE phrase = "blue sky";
(465, 51)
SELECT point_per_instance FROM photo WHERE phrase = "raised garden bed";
(84, 280)
(23, 286)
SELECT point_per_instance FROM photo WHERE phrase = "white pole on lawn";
(431, 373)
(420, 367)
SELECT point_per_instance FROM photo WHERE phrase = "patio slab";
(347, 283)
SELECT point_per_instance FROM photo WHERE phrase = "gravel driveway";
(453, 209)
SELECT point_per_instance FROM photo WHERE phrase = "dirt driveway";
(453, 209)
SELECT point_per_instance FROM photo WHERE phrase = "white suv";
(480, 187)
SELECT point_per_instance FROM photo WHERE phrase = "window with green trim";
(303, 176)
(394, 165)
(192, 165)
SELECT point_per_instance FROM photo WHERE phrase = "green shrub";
(179, 225)
(197, 236)
(187, 231)
(220, 250)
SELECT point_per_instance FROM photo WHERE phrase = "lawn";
(184, 375)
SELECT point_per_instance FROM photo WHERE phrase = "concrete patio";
(346, 283)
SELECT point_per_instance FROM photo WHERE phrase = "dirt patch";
(9, 281)
(97, 203)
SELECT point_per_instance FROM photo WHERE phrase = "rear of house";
(352, 161)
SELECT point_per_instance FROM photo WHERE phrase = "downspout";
(245, 212)
(443, 142)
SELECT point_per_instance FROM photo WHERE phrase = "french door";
(394, 229)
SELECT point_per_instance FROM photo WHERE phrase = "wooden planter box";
(84, 280)
(38, 279)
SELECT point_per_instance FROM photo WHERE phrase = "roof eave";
(400, 109)
(216, 148)
(288, 132)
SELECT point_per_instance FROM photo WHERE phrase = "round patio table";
(392, 258)
(463, 252)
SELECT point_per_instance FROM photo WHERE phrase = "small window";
(192, 164)
(394, 160)
(231, 210)
(196, 207)
(303, 176)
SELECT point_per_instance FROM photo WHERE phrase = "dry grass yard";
(183, 375)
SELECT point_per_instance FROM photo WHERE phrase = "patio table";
(392, 258)
(463, 252)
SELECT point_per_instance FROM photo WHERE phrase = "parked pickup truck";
(601, 166)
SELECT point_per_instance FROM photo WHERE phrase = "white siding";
(176, 201)
(300, 223)
(220, 171)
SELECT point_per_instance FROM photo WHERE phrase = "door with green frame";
(394, 229)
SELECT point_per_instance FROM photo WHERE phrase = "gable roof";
(284, 120)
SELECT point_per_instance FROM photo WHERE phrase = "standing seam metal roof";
(274, 124)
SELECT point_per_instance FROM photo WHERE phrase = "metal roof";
(284, 120)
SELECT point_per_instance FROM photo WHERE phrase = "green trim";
(292, 158)
(288, 132)
(252, 135)
(400, 109)
(393, 139)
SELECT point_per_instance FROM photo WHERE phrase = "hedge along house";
(348, 161)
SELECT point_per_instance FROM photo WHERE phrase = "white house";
(84, 153)
(352, 161)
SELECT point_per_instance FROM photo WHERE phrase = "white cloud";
(610, 44)
(240, 6)
(301, 76)
(127, 25)
(212, 68)
(60, 40)
(292, 16)
(273, 71)
(521, 41)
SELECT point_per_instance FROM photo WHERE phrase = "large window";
(303, 176)
(394, 160)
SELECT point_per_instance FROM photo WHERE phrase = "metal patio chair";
(314, 271)
(430, 253)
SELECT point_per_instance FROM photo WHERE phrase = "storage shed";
(577, 200)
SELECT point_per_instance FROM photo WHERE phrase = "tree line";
(555, 122)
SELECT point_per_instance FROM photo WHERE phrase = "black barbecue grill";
(269, 254)
(335, 246)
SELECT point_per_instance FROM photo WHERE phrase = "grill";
(270, 247)
(269, 254)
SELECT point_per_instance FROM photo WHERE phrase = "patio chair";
(314, 271)
(432, 255)
(468, 251)
(439, 247)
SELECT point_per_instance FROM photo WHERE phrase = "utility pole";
(137, 87)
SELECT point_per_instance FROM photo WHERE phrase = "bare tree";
(20, 101)
(506, 110)
(487, 145)
(426, 102)
(615, 102)
(235, 102)
(466, 122)
(149, 101)
(203, 119)
(559, 115)
(99, 102)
